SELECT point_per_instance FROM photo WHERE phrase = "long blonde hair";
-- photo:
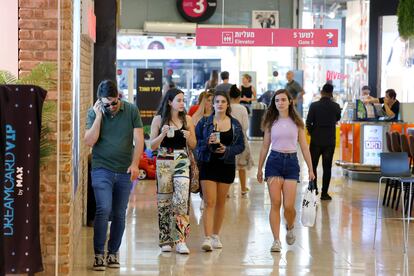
(201, 111)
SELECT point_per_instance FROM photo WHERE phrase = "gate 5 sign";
(267, 37)
(196, 10)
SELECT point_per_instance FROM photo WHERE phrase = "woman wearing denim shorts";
(284, 129)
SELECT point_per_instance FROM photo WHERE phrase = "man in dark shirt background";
(321, 125)
(225, 85)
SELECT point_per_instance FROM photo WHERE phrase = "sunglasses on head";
(106, 105)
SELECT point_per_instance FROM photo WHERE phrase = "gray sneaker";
(216, 243)
(99, 263)
(207, 244)
(276, 246)
(290, 236)
(112, 261)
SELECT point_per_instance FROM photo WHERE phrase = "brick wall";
(38, 43)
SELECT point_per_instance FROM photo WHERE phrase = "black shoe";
(112, 261)
(99, 263)
(326, 197)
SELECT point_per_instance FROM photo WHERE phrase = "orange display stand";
(352, 143)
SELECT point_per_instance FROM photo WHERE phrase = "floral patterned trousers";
(173, 188)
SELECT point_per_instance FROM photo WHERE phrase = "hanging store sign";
(267, 37)
(149, 85)
(196, 10)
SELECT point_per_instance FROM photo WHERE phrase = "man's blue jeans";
(111, 193)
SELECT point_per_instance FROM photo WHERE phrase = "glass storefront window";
(192, 65)
(344, 66)
(397, 61)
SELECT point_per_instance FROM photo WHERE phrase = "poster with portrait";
(265, 19)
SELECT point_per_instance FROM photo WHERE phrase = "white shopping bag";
(309, 206)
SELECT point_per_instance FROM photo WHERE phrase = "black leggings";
(327, 153)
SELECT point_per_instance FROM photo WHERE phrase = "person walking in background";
(168, 83)
(205, 108)
(248, 92)
(244, 160)
(172, 133)
(219, 139)
(195, 107)
(296, 91)
(321, 125)
(225, 85)
(283, 130)
(213, 81)
(114, 166)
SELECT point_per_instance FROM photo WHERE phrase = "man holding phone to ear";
(113, 126)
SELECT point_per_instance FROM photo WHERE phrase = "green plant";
(41, 75)
(405, 15)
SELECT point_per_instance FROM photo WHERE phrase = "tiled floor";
(341, 242)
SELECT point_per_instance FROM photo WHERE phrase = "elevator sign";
(267, 37)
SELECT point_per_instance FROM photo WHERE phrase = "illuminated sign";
(373, 143)
(89, 19)
(267, 37)
(196, 10)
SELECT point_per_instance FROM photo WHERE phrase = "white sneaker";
(207, 246)
(166, 248)
(216, 242)
(182, 248)
(276, 246)
(290, 236)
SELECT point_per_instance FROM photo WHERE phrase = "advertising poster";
(149, 87)
(373, 142)
(20, 112)
(265, 19)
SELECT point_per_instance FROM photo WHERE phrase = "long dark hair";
(165, 109)
(225, 95)
(272, 114)
(213, 81)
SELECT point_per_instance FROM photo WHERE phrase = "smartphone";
(102, 107)
(214, 146)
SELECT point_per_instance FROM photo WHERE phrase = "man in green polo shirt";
(113, 127)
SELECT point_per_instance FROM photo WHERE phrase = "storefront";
(191, 65)
(346, 65)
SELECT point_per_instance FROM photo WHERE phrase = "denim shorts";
(283, 165)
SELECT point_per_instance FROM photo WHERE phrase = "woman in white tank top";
(283, 129)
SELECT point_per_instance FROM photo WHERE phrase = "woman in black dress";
(219, 139)
(248, 92)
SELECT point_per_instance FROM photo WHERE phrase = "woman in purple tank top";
(284, 129)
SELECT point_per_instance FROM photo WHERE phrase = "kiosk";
(362, 140)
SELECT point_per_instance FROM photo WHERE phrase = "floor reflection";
(340, 243)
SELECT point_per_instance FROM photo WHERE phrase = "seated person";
(391, 106)
(365, 91)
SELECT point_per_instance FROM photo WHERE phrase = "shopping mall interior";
(54, 56)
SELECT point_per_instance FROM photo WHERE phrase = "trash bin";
(255, 131)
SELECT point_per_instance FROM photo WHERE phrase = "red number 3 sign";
(196, 10)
